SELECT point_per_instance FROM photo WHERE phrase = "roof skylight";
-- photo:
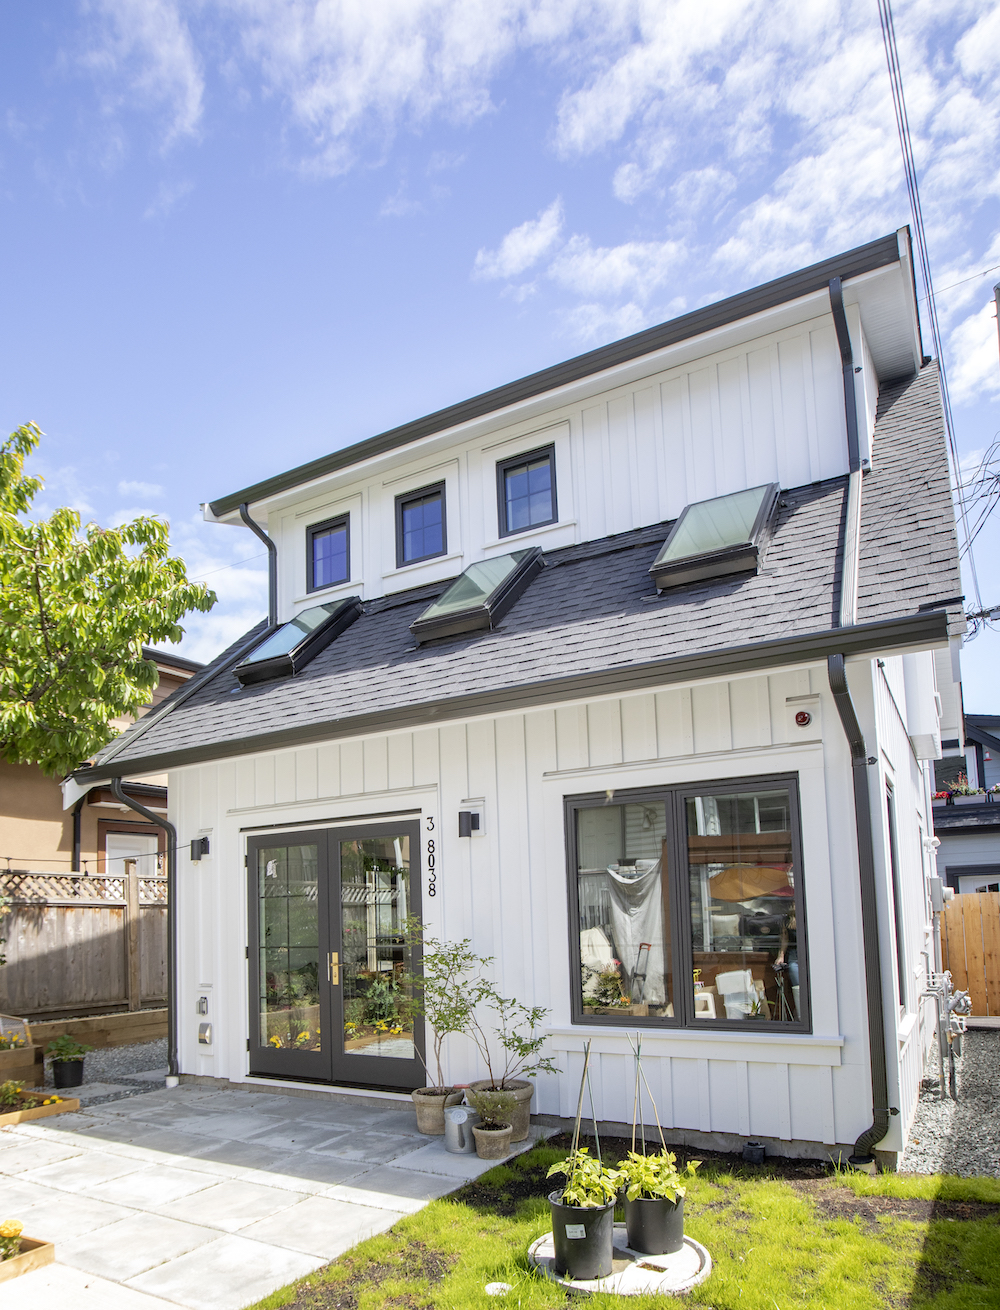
(715, 537)
(290, 647)
(480, 596)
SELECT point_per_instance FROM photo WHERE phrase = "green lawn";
(836, 1241)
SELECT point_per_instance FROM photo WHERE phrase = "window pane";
(528, 494)
(290, 634)
(714, 525)
(289, 947)
(624, 925)
(329, 549)
(474, 586)
(743, 909)
(423, 526)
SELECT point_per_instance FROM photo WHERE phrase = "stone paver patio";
(210, 1199)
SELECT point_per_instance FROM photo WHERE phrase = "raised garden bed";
(33, 1107)
(23, 1064)
(34, 1255)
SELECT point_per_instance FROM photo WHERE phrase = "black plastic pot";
(583, 1238)
(67, 1073)
(655, 1225)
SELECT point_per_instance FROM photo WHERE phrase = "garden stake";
(593, 1114)
(635, 1098)
(579, 1104)
(636, 1051)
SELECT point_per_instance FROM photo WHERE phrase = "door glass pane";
(374, 973)
(743, 909)
(289, 947)
(624, 923)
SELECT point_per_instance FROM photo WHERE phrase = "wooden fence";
(970, 948)
(83, 943)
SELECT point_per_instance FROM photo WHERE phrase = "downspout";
(272, 565)
(77, 831)
(863, 1156)
(171, 831)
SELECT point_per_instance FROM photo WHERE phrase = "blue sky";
(238, 234)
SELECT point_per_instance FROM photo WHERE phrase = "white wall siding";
(768, 411)
(507, 891)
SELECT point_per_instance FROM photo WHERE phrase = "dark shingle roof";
(593, 612)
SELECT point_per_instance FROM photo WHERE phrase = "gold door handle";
(333, 968)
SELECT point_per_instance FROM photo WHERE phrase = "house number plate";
(431, 855)
(576, 1230)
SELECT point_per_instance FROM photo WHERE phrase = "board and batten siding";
(507, 890)
(771, 410)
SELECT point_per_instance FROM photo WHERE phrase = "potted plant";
(583, 1216)
(519, 1059)
(654, 1201)
(446, 994)
(67, 1060)
(493, 1132)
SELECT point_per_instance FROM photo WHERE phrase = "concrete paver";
(210, 1200)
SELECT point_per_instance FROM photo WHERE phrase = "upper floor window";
(526, 491)
(328, 553)
(420, 525)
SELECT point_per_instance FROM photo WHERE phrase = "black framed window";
(421, 529)
(328, 553)
(686, 906)
(526, 491)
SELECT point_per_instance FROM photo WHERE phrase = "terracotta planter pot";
(431, 1104)
(492, 1143)
(520, 1118)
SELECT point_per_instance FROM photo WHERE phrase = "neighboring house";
(661, 751)
(969, 826)
(36, 833)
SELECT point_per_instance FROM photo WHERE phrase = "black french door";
(331, 976)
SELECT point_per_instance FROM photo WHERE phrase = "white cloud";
(523, 246)
(973, 356)
(143, 53)
(149, 490)
(120, 517)
(635, 268)
(168, 195)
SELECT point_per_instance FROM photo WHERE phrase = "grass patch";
(782, 1237)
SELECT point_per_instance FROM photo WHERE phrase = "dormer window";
(328, 553)
(290, 647)
(715, 537)
(421, 531)
(480, 596)
(526, 491)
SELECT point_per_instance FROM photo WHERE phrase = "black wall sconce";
(199, 847)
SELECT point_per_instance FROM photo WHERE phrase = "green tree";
(76, 608)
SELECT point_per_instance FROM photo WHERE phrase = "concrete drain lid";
(632, 1272)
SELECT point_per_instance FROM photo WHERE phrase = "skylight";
(480, 596)
(716, 537)
(290, 647)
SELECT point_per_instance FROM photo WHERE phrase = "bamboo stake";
(635, 1096)
(593, 1115)
(579, 1104)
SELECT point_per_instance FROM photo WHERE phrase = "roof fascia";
(747, 304)
(913, 633)
(984, 738)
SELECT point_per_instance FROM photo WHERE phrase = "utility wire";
(910, 169)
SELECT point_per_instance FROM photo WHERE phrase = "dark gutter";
(807, 281)
(914, 630)
(847, 367)
(77, 834)
(272, 566)
(152, 817)
(171, 660)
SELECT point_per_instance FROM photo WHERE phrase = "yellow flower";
(396, 1030)
(275, 1041)
(11, 1228)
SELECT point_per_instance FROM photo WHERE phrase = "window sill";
(528, 532)
(430, 562)
(348, 588)
(759, 1047)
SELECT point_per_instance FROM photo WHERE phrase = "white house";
(661, 751)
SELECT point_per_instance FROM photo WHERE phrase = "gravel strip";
(118, 1065)
(960, 1137)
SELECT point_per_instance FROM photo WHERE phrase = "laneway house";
(630, 671)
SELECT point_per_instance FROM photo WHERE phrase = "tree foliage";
(76, 608)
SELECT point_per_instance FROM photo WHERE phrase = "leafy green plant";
(10, 1092)
(493, 1107)
(589, 1184)
(652, 1177)
(379, 1003)
(10, 1238)
(64, 1047)
(516, 1033)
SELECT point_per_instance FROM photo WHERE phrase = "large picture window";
(687, 906)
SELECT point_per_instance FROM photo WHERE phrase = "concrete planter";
(431, 1103)
(492, 1143)
(520, 1119)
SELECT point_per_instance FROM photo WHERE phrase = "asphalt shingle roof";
(594, 609)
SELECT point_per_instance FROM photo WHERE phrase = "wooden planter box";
(24, 1064)
(33, 1256)
(9, 1116)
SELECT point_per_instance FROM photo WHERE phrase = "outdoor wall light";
(199, 847)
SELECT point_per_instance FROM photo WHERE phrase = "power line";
(910, 169)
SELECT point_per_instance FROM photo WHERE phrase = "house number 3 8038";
(431, 855)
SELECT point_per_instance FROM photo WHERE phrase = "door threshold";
(289, 1087)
